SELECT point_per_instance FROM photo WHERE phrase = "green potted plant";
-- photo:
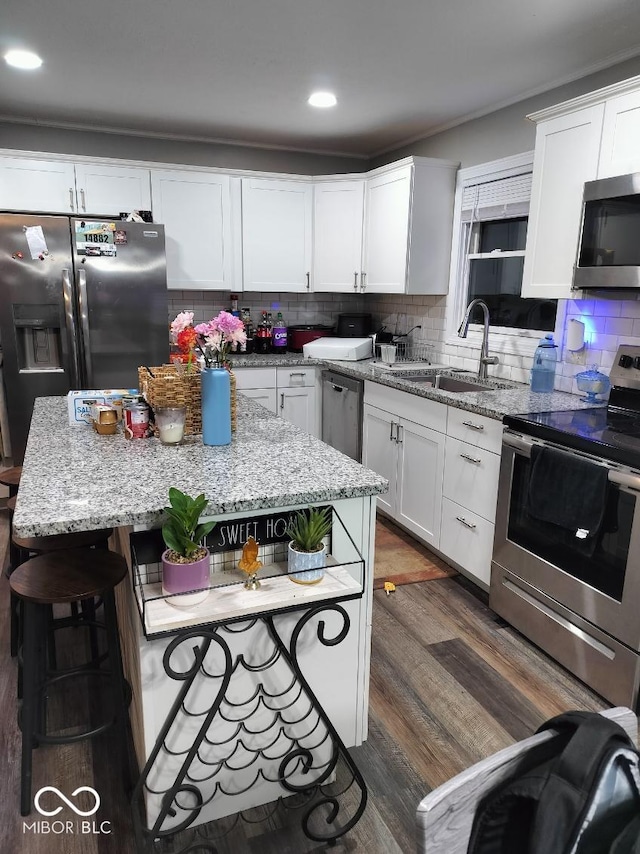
(307, 553)
(185, 563)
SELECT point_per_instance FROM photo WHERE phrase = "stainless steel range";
(566, 558)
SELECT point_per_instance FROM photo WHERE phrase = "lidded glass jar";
(593, 382)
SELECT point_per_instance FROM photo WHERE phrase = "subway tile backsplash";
(609, 322)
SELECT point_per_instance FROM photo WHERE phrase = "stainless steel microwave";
(609, 245)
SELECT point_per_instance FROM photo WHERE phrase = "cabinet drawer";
(420, 410)
(255, 377)
(467, 539)
(471, 477)
(295, 377)
(475, 429)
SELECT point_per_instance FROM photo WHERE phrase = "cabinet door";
(420, 472)
(379, 451)
(337, 233)
(37, 185)
(196, 212)
(264, 396)
(471, 477)
(386, 231)
(110, 190)
(620, 148)
(467, 539)
(298, 405)
(566, 155)
(276, 234)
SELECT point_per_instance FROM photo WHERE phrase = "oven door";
(602, 587)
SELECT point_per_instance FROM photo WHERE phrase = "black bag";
(578, 793)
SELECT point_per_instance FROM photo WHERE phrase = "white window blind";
(500, 199)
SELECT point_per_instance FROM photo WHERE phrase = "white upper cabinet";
(39, 186)
(566, 155)
(110, 190)
(195, 208)
(59, 186)
(408, 226)
(620, 149)
(276, 234)
(337, 236)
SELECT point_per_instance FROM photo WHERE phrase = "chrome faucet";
(485, 358)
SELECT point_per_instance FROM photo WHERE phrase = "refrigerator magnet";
(120, 236)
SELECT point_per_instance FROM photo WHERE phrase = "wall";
(97, 144)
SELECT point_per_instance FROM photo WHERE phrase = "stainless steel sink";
(446, 383)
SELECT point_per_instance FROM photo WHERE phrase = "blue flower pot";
(216, 406)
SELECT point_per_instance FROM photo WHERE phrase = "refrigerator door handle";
(67, 293)
(84, 325)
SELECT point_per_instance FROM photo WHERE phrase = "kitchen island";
(248, 707)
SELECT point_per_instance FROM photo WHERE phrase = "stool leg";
(121, 711)
(89, 613)
(15, 624)
(51, 640)
(29, 701)
(74, 610)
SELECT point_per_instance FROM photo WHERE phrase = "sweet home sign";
(233, 534)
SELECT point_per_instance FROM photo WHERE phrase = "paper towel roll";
(575, 335)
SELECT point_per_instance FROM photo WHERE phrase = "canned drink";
(136, 421)
(129, 399)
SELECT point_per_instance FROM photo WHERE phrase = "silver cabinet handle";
(355, 281)
(475, 460)
(473, 426)
(363, 282)
(464, 522)
(83, 306)
(337, 387)
(392, 438)
(72, 203)
(282, 401)
(308, 281)
(400, 435)
(67, 294)
(83, 200)
(297, 374)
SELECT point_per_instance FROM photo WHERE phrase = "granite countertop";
(508, 398)
(75, 480)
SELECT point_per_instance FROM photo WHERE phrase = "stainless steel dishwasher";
(342, 413)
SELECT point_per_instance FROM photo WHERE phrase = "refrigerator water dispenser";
(37, 329)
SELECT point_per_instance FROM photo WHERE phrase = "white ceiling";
(242, 70)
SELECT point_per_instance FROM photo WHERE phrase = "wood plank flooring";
(450, 684)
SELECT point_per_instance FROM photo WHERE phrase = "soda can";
(136, 421)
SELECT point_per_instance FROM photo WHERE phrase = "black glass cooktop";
(613, 434)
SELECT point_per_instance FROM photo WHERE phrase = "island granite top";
(75, 480)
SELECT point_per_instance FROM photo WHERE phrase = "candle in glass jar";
(170, 421)
(171, 433)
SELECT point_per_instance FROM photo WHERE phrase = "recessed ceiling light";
(25, 59)
(323, 99)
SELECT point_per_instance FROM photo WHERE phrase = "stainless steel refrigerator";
(83, 303)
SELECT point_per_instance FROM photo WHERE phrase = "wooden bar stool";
(11, 478)
(43, 581)
(23, 548)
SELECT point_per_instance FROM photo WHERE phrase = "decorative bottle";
(543, 372)
(216, 406)
(279, 335)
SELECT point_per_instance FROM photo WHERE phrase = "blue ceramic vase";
(216, 406)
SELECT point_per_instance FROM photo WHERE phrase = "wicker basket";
(170, 387)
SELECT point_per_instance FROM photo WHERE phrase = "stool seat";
(58, 542)
(67, 576)
(11, 477)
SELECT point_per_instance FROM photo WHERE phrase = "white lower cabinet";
(291, 393)
(471, 477)
(467, 540)
(411, 457)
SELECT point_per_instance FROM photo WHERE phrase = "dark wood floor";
(450, 684)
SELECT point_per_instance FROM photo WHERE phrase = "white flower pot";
(306, 567)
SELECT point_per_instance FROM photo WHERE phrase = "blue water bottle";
(543, 372)
(216, 406)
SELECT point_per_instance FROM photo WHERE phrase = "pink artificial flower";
(182, 321)
(214, 340)
(227, 323)
(205, 329)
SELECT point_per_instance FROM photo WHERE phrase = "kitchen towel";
(568, 492)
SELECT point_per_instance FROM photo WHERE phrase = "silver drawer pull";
(475, 460)
(297, 374)
(473, 426)
(464, 522)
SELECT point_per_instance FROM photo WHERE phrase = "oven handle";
(523, 446)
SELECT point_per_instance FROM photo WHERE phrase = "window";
(494, 211)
